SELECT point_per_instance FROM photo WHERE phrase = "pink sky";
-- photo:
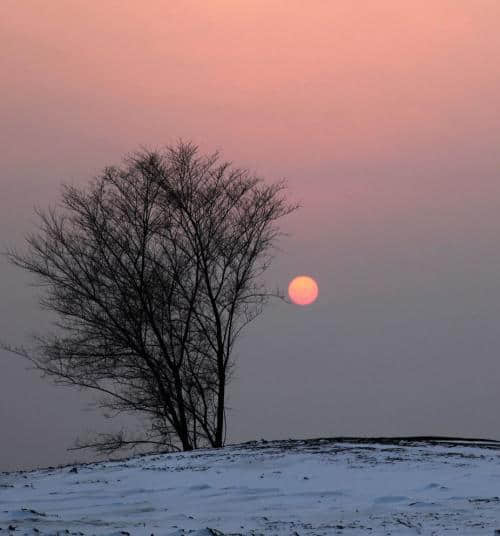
(352, 104)
(278, 84)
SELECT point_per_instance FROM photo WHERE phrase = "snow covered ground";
(311, 487)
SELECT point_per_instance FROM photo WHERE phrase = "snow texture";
(310, 487)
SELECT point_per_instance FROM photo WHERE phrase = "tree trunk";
(219, 433)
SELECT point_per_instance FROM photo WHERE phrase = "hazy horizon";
(384, 122)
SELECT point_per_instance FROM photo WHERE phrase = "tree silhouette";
(153, 270)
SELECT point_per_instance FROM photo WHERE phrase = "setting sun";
(303, 290)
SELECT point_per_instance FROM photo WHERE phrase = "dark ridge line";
(384, 440)
(426, 439)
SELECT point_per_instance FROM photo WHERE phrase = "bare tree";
(153, 271)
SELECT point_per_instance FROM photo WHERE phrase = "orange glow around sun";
(303, 290)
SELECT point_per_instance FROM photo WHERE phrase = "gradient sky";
(384, 117)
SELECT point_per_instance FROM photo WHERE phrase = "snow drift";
(310, 487)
